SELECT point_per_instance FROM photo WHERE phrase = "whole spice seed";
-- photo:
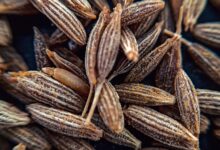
(100, 4)
(209, 101)
(44, 89)
(147, 64)
(110, 108)
(64, 122)
(124, 138)
(30, 136)
(160, 127)
(208, 33)
(62, 142)
(19, 147)
(63, 18)
(5, 32)
(140, 94)
(187, 102)
(138, 11)
(11, 116)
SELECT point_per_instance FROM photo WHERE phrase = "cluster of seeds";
(71, 100)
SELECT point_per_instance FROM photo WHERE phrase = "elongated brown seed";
(141, 94)
(63, 18)
(138, 11)
(160, 127)
(209, 101)
(110, 108)
(11, 116)
(64, 122)
(31, 136)
(147, 64)
(208, 61)
(187, 102)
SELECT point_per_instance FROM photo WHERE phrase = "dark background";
(23, 42)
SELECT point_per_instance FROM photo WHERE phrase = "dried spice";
(64, 122)
(19, 147)
(5, 32)
(140, 94)
(57, 37)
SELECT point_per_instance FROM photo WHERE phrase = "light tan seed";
(11, 116)
(19, 147)
(63, 18)
(129, 44)
(209, 101)
(160, 127)
(110, 108)
(100, 4)
(208, 61)
(31, 136)
(64, 122)
(5, 32)
(187, 101)
(140, 94)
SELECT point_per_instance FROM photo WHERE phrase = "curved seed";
(160, 127)
(187, 102)
(206, 60)
(63, 18)
(31, 136)
(138, 11)
(11, 116)
(5, 32)
(64, 122)
(140, 94)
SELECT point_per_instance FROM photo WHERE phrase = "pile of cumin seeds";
(117, 74)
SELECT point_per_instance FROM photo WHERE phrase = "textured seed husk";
(141, 94)
(10, 116)
(138, 11)
(63, 63)
(110, 108)
(187, 101)
(31, 136)
(40, 47)
(20, 7)
(160, 127)
(93, 45)
(124, 3)
(81, 8)
(129, 44)
(145, 45)
(57, 37)
(63, 18)
(124, 138)
(64, 122)
(109, 44)
(100, 4)
(206, 60)
(62, 142)
(168, 68)
(19, 147)
(148, 63)
(5, 32)
(204, 124)
(68, 79)
(209, 101)
(208, 33)
(216, 121)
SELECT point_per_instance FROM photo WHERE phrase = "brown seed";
(124, 3)
(64, 122)
(208, 33)
(11, 116)
(40, 47)
(31, 136)
(206, 60)
(148, 63)
(69, 79)
(81, 8)
(176, 4)
(187, 102)
(100, 4)
(138, 11)
(140, 94)
(63, 18)
(62, 142)
(19, 147)
(160, 127)
(204, 124)
(5, 32)
(110, 108)
(209, 101)
(44, 89)
(124, 138)
(57, 37)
